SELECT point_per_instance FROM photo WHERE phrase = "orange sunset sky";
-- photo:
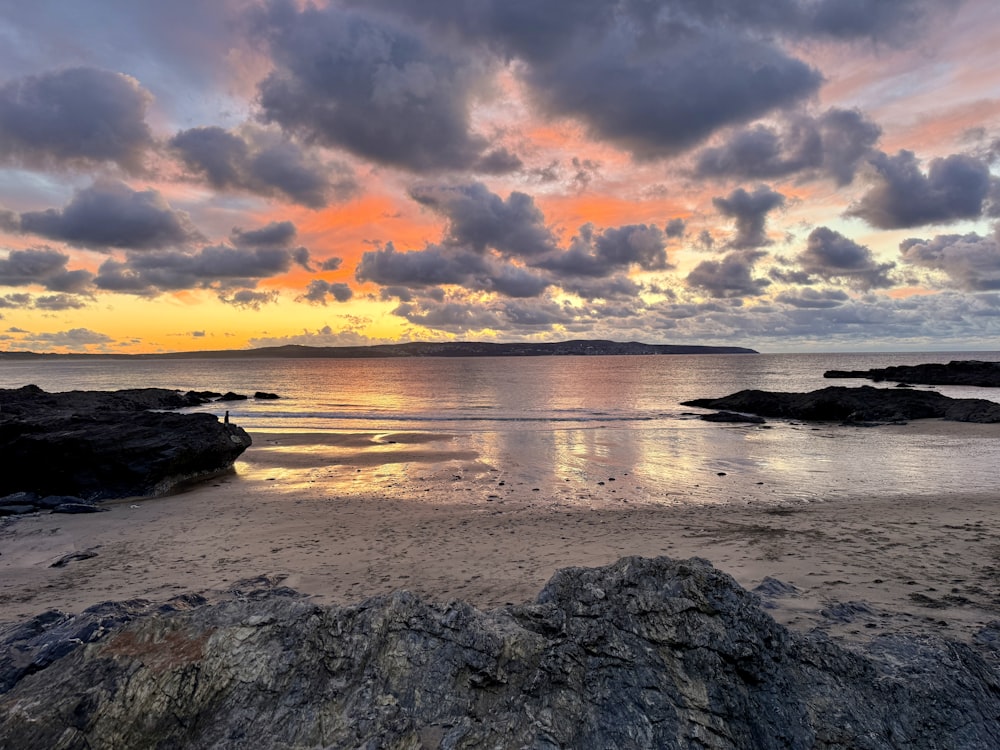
(796, 175)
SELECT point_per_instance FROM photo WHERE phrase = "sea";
(601, 429)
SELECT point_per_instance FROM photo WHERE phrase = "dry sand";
(393, 517)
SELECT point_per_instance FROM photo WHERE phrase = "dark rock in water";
(96, 445)
(263, 395)
(957, 372)
(17, 510)
(856, 405)
(730, 416)
(204, 395)
(639, 654)
(230, 396)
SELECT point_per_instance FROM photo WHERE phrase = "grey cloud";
(834, 143)
(248, 299)
(750, 212)
(428, 267)
(814, 299)
(43, 266)
(669, 74)
(263, 163)
(331, 264)
(450, 316)
(730, 277)
(878, 19)
(74, 115)
(599, 255)
(675, 228)
(479, 219)
(617, 287)
(370, 85)
(971, 261)
(319, 290)
(109, 214)
(13, 301)
(275, 234)
(661, 98)
(440, 265)
(72, 337)
(955, 187)
(831, 255)
(157, 271)
(59, 302)
(499, 161)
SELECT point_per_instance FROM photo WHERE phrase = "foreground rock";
(856, 405)
(640, 654)
(95, 445)
(957, 372)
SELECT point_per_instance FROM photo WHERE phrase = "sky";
(790, 175)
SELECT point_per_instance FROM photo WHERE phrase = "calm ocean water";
(569, 420)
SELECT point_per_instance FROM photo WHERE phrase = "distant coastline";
(414, 349)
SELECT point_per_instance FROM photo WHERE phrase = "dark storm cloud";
(730, 277)
(45, 267)
(813, 299)
(834, 144)
(158, 271)
(370, 85)
(831, 255)
(971, 261)
(275, 234)
(74, 115)
(601, 254)
(750, 212)
(109, 214)
(955, 187)
(319, 290)
(265, 164)
(479, 219)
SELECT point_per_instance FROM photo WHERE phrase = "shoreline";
(861, 567)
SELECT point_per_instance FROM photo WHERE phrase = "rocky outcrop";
(855, 405)
(95, 445)
(957, 372)
(639, 654)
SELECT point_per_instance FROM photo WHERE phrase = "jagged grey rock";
(639, 654)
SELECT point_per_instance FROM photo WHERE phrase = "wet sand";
(388, 512)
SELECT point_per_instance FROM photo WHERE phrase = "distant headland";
(416, 349)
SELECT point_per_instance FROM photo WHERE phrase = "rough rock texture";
(639, 654)
(96, 445)
(956, 372)
(864, 404)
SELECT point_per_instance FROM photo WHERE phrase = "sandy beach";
(347, 517)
